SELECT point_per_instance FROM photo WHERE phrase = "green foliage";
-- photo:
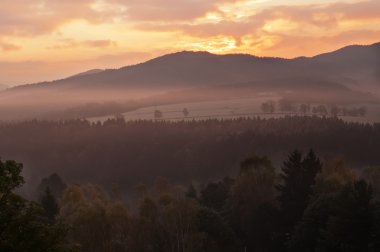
(350, 221)
(218, 235)
(23, 225)
(10, 178)
(307, 234)
(316, 209)
(340, 220)
(334, 176)
(215, 195)
(250, 205)
(97, 222)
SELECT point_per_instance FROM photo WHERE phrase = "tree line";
(288, 106)
(306, 205)
(123, 153)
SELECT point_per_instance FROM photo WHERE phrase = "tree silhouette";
(49, 204)
(298, 178)
(185, 112)
(268, 107)
(22, 223)
(158, 114)
(350, 221)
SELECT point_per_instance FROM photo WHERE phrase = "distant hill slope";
(357, 66)
(3, 87)
(190, 69)
(93, 71)
(345, 75)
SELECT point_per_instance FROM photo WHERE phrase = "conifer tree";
(50, 205)
(298, 178)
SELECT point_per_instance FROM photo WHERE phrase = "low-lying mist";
(56, 104)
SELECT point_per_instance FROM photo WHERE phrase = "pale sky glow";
(50, 39)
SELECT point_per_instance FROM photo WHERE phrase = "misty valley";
(196, 145)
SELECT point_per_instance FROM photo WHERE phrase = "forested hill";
(192, 69)
(126, 154)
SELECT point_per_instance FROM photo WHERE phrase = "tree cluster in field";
(287, 106)
(307, 206)
(158, 114)
(125, 153)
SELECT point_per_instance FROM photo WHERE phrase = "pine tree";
(298, 178)
(49, 204)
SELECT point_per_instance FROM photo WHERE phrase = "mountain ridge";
(348, 75)
(187, 59)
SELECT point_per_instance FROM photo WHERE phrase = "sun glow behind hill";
(54, 39)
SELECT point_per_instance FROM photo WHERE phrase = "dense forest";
(126, 153)
(307, 206)
(190, 186)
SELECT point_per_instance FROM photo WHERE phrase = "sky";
(51, 39)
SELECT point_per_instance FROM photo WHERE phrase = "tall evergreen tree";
(298, 178)
(55, 184)
(50, 205)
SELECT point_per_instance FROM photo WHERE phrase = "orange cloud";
(321, 16)
(70, 43)
(169, 10)
(80, 30)
(312, 21)
(6, 47)
(30, 18)
(307, 45)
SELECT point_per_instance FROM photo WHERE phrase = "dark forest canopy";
(126, 153)
(307, 205)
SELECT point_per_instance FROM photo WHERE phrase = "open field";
(247, 107)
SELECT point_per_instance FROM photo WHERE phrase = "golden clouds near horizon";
(63, 33)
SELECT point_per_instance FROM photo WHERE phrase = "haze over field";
(349, 75)
(144, 53)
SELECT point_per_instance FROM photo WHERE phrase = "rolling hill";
(350, 72)
(186, 68)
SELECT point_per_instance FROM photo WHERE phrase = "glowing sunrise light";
(80, 31)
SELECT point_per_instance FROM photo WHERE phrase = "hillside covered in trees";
(127, 153)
